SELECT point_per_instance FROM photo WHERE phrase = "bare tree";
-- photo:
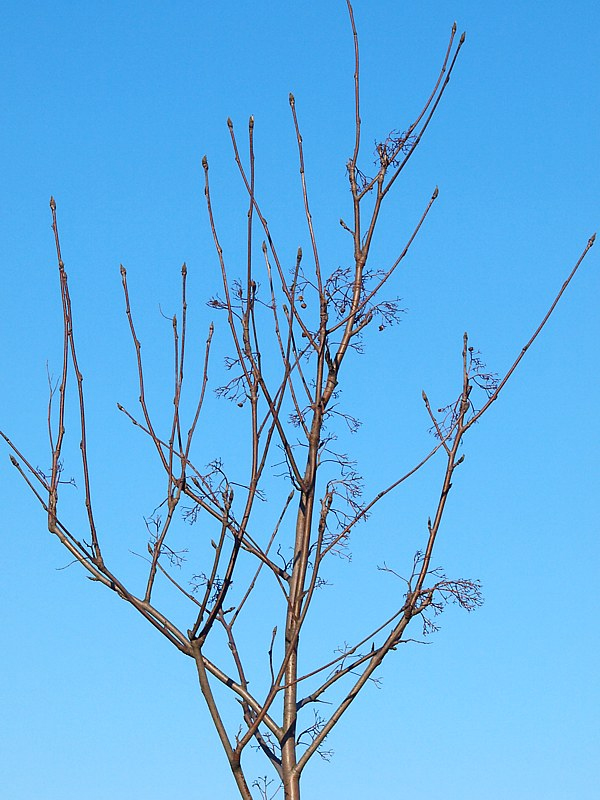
(294, 498)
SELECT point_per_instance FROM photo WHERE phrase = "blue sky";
(110, 107)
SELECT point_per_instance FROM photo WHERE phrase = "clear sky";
(109, 107)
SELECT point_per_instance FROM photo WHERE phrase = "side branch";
(535, 334)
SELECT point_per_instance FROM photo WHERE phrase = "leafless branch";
(293, 329)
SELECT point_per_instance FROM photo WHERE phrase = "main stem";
(291, 774)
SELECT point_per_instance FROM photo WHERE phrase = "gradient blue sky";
(110, 107)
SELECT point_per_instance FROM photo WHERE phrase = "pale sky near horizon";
(109, 107)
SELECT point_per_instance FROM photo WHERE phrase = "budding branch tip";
(229, 122)
(292, 99)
